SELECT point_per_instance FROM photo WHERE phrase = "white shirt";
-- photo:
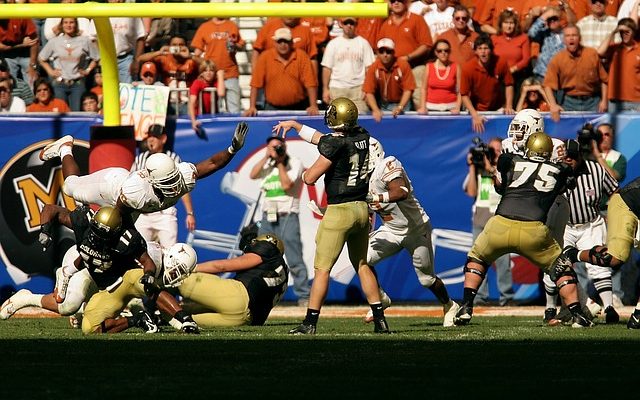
(348, 60)
(126, 32)
(625, 9)
(275, 198)
(17, 105)
(437, 21)
(403, 216)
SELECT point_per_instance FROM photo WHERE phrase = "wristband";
(230, 149)
(384, 197)
(191, 213)
(306, 133)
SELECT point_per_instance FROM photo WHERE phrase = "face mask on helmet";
(178, 263)
(525, 123)
(376, 153)
(539, 147)
(341, 114)
(270, 238)
(104, 227)
(164, 175)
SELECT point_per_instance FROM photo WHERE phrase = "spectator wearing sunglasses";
(344, 64)
(20, 88)
(441, 86)
(8, 102)
(595, 27)
(461, 37)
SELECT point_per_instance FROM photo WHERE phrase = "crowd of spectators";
(552, 55)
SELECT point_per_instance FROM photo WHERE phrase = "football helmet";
(104, 226)
(341, 114)
(539, 147)
(525, 123)
(270, 238)
(376, 153)
(164, 174)
(178, 263)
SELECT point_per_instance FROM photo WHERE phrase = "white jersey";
(401, 217)
(558, 149)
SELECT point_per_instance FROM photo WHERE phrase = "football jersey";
(528, 187)
(265, 283)
(509, 147)
(137, 192)
(630, 193)
(347, 179)
(105, 263)
(403, 216)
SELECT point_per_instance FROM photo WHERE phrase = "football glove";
(370, 198)
(238, 137)
(148, 281)
(44, 237)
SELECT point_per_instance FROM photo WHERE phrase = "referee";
(586, 227)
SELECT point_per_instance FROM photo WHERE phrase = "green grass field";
(494, 357)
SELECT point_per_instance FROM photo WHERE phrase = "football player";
(247, 299)
(344, 163)
(105, 253)
(405, 225)
(623, 212)
(157, 187)
(529, 185)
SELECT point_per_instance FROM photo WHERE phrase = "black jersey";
(265, 283)
(528, 187)
(347, 179)
(105, 263)
(630, 193)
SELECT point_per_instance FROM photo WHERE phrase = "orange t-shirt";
(388, 84)
(284, 83)
(612, 7)
(624, 73)
(492, 9)
(461, 50)
(168, 66)
(302, 37)
(408, 35)
(319, 28)
(368, 28)
(577, 76)
(55, 105)
(483, 85)
(211, 38)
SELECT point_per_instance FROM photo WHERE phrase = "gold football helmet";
(341, 114)
(270, 238)
(106, 223)
(539, 147)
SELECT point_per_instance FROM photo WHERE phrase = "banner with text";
(142, 106)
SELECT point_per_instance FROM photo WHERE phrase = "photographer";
(281, 185)
(479, 184)
(594, 148)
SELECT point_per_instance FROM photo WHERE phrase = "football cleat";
(380, 325)
(14, 303)
(190, 327)
(303, 329)
(550, 317)
(450, 311)
(634, 320)
(144, 321)
(463, 316)
(581, 321)
(593, 308)
(386, 302)
(611, 315)
(52, 150)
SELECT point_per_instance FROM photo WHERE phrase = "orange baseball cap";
(148, 67)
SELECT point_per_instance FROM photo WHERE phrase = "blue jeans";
(287, 228)
(503, 274)
(232, 96)
(18, 66)
(391, 106)
(70, 93)
(124, 68)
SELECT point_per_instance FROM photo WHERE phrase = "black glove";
(148, 281)
(238, 137)
(45, 237)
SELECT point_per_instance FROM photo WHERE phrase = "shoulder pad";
(189, 174)
(135, 189)
(329, 145)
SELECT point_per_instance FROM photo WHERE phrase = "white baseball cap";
(386, 43)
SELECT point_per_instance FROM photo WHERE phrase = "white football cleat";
(594, 308)
(450, 310)
(52, 150)
(386, 302)
(14, 303)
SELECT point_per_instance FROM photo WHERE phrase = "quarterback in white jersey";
(159, 186)
(405, 224)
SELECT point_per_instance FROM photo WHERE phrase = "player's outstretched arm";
(50, 216)
(220, 160)
(245, 261)
(305, 132)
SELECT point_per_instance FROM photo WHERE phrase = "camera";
(585, 135)
(479, 151)
(174, 49)
(279, 149)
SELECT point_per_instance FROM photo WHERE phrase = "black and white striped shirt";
(141, 159)
(593, 181)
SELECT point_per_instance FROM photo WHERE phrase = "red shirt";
(483, 84)
(514, 50)
(198, 86)
(441, 86)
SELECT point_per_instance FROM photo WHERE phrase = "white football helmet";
(178, 262)
(525, 123)
(376, 153)
(164, 174)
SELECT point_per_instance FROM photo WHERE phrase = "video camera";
(279, 149)
(479, 151)
(585, 135)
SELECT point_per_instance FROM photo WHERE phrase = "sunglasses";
(280, 41)
(443, 50)
(396, 1)
(349, 22)
(4, 89)
(385, 51)
(148, 76)
(465, 19)
(553, 19)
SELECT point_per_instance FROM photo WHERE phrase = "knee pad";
(561, 266)
(567, 282)
(476, 271)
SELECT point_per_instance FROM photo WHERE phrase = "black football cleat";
(464, 314)
(145, 322)
(380, 325)
(581, 321)
(303, 329)
(550, 317)
(611, 315)
(634, 320)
